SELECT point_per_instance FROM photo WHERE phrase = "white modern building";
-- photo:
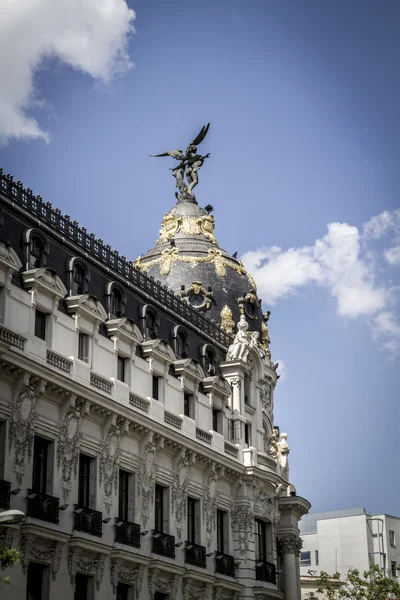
(337, 541)
(136, 419)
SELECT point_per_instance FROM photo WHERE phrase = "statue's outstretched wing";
(177, 154)
(201, 135)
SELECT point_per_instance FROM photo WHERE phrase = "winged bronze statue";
(190, 164)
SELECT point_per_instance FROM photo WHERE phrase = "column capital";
(289, 543)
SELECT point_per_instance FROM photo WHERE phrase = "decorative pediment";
(217, 385)
(86, 306)
(158, 349)
(189, 368)
(126, 571)
(45, 281)
(9, 258)
(125, 329)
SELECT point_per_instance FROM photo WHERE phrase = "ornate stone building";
(136, 416)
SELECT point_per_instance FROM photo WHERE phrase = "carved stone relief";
(93, 566)
(22, 422)
(69, 440)
(191, 590)
(126, 575)
(109, 459)
(146, 478)
(162, 584)
(243, 521)
(266, 401)
(31, 551)
(210, 497)
(290, 542)
(179, 491)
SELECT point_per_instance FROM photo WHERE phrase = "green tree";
(374, 584)
(8, 557)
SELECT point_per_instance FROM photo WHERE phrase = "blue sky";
(303, 100)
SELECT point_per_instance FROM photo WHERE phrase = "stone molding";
(45, 281)
(289, 543)
(87, 306)
(51, 555)
(93, 566)
(243, 522)
(123, 572)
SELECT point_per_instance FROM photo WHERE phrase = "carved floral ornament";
(288, 543)
(125, 329)
(87, 306)
(179, 491)
(189, 225)
(168, 585)
(192, 590)
(171, 255)
(68, 445)
(31, 551)
(210, 497)
(227, 322)
(91, 566)
(146, 478)
(243, 522)
(109, 458)
(124, 573)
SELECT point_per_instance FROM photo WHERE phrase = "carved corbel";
(73, 557)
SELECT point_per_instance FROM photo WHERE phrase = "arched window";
(209, 362)
(150, 325)
(36, 252)
(116, 304)
(181, 344)
(78, 278)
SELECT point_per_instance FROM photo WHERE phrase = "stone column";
(289, 546)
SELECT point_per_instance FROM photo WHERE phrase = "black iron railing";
(225, 564)
(5, 487)
(127, 533)
(16, 194)
(265, 571)
(89, 520)
(43, 506)
(195, 555)
(163, 544)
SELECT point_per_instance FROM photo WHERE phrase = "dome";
(188, 259)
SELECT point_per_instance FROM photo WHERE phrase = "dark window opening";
(84, 484)
(150, 325)
(393, 568)
(216, 420)
(34, 581)
(247, 434)
(79, 276)
(155, 394)
(40, 465)
(40, 324)
(188, 405)
(209, 362)
(159, 508)
(123, 591)
(116, 304)
(316, 558)
(305, 559)
(81, 587)
(36, 254)
(193, 520)
(261, 541)
(246, 389)
(83, 347)
(181, 345)
(123, 495)
(222, 531)
(121, 368)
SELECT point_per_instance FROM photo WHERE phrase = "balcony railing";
(225, 564)
(100, 383)
(139, 403)
(5, 487)
(127, 533)
(203, 436)
(266, 461)
(195, 555)
(265, 571)
(163, 544)
(59, 362)
(43, 506)
(173, 420)
(89, 520)
(231, 449)
(12, 338)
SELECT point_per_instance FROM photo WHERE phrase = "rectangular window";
(37, 582)
(40, 324)
(222, 531)
(41, 475)
(316, 558)
(85, 484)
(2, 448)
(83, 585)
(393, 568)
(392, 540)
(121, 368)
(156, 388)
(261, 541)
(216, 420)
(161, 508)
(123, 495)
(193, 520)
(247, 434)
(188, 405)
(124, 591)
(83, 347)
(305, 559)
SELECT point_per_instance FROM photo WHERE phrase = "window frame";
(222, 527)
(82, 335)
(155, 387)
(42, 471)
(122, 368)
(247, 434)
(44, 577)
(44, 316)
(260, 540)
(193, 520)
(217, 424)
(188, 405)
(161, 508)
(87, 493)
(393, 569)
(305, 562)
(392, 538)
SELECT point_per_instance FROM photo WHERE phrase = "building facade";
(136, 417)
(337, 541)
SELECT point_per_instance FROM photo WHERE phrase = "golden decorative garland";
(171, 255)
(173, 224)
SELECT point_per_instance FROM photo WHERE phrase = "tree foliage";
(374, 584)
(8, 557)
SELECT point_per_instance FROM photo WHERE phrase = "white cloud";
(342, 262)
(88, 35)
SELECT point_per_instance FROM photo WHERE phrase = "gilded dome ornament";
(189, 225)
(198, 296)
(227, 322)
(250, 304)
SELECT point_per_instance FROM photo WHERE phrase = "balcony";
(127, 533)
(225, 564)
(163, 544)
(265, 571)
(43, 507)
(88, 520)
(5, 487)
(195, 555)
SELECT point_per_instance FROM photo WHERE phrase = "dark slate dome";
(189, 261)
